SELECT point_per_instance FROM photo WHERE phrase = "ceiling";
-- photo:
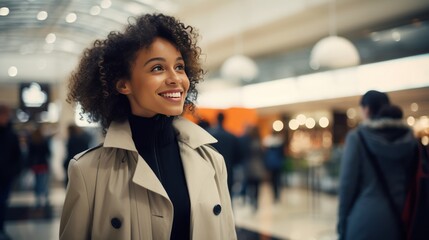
(44, 38)
(256, 28)
(263, 27)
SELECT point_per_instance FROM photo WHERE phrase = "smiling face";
(158, 83)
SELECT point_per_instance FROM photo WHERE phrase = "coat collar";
(189, 135)
(119, 135)
(384, 123)
(192, 134)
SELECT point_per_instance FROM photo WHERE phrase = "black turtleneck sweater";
(156, 142)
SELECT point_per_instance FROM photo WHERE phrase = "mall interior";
(298, 67)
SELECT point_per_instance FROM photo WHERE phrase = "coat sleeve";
(75, 218)
(349, 180)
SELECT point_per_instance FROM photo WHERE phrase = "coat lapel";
(119, 136)
(197, 171)
(145, 177)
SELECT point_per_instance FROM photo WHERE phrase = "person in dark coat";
(10, 162)
(364, 210)
(39, 154)
(78, 141)
(227, 145)
(274, 158)
(252, 160)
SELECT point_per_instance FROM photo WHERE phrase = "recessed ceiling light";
(4, 11)
(50, 38)
(396, 36)
(12, 71)
(105, 4)
(95, 10)
(71, 17)
(42, 15)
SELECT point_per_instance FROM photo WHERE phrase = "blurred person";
(364, 208)
(254, 170)
(78, 141)
(156, 175)
(274, 158)
(332, 165)
(204, 124)
(26, 177)
(39, 154)
(10, 162)
(227, 145)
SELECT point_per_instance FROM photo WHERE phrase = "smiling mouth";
(171, 95)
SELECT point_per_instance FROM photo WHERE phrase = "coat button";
(217, 209)
(116, 223)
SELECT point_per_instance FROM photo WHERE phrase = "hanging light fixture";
(333, 51)
(239, 67)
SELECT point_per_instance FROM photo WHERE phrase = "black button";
(217, 209)
(116, 223)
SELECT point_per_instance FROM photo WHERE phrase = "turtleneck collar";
(146, 132)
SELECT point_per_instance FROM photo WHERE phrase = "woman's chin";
(173, 112)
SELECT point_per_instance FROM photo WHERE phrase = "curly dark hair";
(93, 83)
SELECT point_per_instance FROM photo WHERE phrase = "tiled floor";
(300, 215)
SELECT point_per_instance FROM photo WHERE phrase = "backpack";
(273, 158)
(415, 214)
(414, 218)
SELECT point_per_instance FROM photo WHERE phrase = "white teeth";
(171, 95)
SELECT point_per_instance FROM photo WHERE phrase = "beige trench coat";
(113, 193)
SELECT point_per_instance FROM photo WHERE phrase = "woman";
(365, 211)
(155, 176)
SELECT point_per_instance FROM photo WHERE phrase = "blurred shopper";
(78, 141)
(39, 155)
(274, 158)
(10, 162)
(156, 175)
(332, 166)
(365, 211)
(254, 170)
(227, 145)
(204, 124)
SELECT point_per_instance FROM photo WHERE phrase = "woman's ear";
(122, 87)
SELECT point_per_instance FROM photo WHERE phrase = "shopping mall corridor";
(300, 215)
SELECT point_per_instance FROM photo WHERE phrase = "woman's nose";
(173, 77)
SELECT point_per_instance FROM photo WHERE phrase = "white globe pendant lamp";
(239, 67)
(333, 51)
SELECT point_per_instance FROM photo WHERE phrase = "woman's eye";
(180, 67)
(156, 69)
